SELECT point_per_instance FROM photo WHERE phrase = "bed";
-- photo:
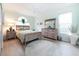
(28, 35)
(25, 34)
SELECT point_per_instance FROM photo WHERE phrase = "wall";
(31, 20)
(41, 19)
(53, 15)
(75, 17)
(11, 19)
(38, 20)
(1, 36)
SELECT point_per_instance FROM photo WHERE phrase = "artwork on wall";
(39, 23)
(22, 19)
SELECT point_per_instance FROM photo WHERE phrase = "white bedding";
(27, 35)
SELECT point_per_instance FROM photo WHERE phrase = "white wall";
(11, 17)
(52, 15)
(76, 19)
(1, 36)
(51, 12)
(39, 20)
(45, 11)
(74, 8)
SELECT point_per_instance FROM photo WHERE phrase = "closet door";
(1, 36)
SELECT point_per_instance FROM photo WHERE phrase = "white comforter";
(24, 35)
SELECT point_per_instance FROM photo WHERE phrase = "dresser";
(50, 33)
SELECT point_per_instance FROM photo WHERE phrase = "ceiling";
(43, 9)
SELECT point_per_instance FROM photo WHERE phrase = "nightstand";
(10, 34)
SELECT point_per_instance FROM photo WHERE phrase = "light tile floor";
(51, 48)
(44, 47)
(12, 48)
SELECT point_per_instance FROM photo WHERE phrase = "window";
(65, 22)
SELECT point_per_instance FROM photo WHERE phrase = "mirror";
(50, 23)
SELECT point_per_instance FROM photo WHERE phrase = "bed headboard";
(22, 27)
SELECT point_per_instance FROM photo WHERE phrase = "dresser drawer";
(50, 33)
